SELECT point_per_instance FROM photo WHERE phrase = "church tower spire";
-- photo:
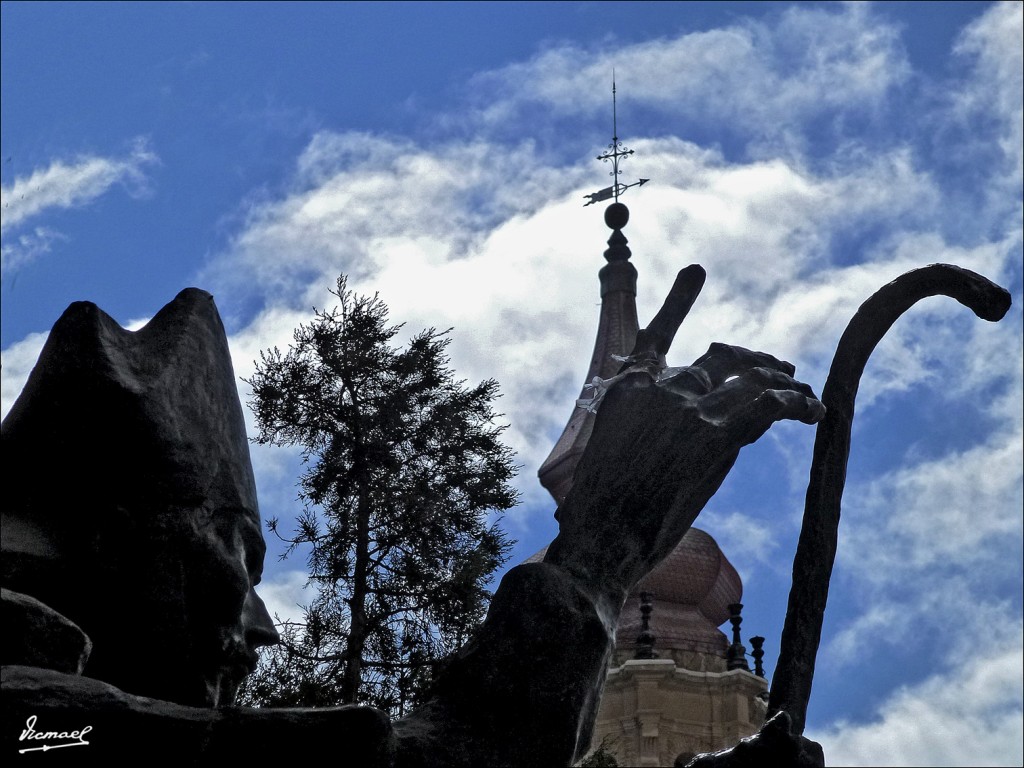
(695, 694)
(617, 326)
(691, 696)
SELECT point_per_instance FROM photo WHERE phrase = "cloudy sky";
(804, 154)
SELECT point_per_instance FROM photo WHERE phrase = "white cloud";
(409, 227)
(846, 647)
(750, 541)
(284, 595)
(927, 546)
(759, 79)
(446, 240)
(970, 714)
(992, 44)
(64, 185)
(18, 361)
(962, 509)
(516, 288)
(27, 247)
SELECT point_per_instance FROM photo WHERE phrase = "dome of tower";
(691, 591)
(696, 573)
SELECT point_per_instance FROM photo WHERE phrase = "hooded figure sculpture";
(132, 508)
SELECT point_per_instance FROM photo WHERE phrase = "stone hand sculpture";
(663, 443)
(526, 692)
(665, 440)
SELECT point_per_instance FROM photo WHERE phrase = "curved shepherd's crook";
(816, 550)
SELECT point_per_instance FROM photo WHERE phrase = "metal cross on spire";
(616, 152)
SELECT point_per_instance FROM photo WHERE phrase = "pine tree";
(404, 484)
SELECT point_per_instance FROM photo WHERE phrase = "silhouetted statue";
(524, 692)
(130, 507)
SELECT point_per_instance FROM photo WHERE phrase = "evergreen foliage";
(404, 481)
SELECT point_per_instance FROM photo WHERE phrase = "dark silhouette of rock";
(35, 635)
(131, 507)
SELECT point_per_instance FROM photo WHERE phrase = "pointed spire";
(617, 326)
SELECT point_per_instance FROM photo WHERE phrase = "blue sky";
(438, 153)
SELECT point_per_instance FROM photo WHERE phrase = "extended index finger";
(655, 340)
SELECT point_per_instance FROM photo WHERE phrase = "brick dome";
(692, 589)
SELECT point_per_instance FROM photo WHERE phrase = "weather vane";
(616, 152)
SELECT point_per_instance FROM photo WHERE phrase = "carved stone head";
(131, 506)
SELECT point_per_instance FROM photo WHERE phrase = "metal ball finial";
(616, 216)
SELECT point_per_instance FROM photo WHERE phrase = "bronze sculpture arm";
(526, 691)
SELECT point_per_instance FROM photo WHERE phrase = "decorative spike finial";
(615, 153)
(736, 657)
(757, 643)
(645, 641)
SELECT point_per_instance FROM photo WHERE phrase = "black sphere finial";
(616, 216)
